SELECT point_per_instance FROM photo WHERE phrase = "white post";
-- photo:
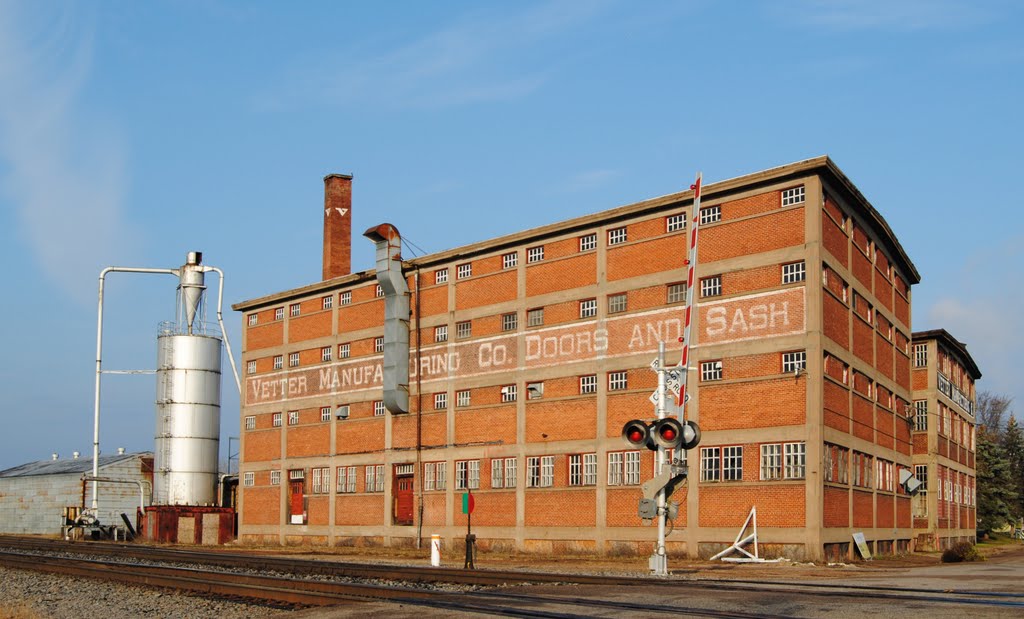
(435, 550)
(659, 560)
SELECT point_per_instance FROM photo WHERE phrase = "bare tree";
(991, 411)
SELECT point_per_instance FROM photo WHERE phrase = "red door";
(403, 501)
(296, 507)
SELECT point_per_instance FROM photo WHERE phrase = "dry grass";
(18, 611)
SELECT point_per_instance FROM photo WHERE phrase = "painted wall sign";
(756, 316)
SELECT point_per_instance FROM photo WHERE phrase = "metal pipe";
(224, 332)
(111, 480)
(662, 502)
(419, 416)
(99, 367)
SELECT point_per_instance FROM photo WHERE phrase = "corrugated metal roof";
(66, 466)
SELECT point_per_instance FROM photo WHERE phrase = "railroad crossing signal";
(668, 433)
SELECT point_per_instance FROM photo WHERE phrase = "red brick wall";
(486, 425)
(863, 509)
(554, 275)
(488, 290)
(780, 402)
(309, 440)
(778, 505)
(836, 507)
(561, 508)
(262, 446)
(264, 336)
(262, 505)
(751, 236)
(310, 327)
(644, 258)
(359, 509)
(359, 435)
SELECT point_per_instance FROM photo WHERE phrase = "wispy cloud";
(63, 173)
(905, 15)
(464, 63)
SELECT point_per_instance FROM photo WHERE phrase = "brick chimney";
(337, 225)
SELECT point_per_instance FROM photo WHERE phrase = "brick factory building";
(530, 352)
(944, 440)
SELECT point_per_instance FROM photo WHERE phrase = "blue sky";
(133, 132)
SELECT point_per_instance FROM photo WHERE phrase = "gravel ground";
(34, 595)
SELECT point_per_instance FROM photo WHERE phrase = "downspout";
(224, 332)
(419, 419)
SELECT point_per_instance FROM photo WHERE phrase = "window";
(278, 362)
(275, 478)
(617, 381)
(325, 413)
(794, 195)
(583, 469)
(534, 391)
(345, 298)
(793, 361)
(883, 475)
(771, 461)
(279, 313)
(378, 408)
(677, 293)
(441, 276)
(249, 479)
(588, 384)
(321, 480)
(675, 222)
(465, 270)
(710, 214)
(710, 463)
(617, 236)
(624, 468)
(732, 463)
(794, 272)
(325, 353)
(535, 254)
(467, 474)
(509, 322)
(920, 355)
(435, 475)
(588, 308)
(294, 309)
(463, 329)
(378, 344)
(796, 460)
(508, 393)
(342, 412)
(293, 418)
(250, 422)
(861, 470)
(378, 291)
(509, 261)
(440, 401)
(921, 415)
(588, 242)
(276, 420)
(540, 471)
(327, 302)
(343, 351)
(347, 479)
(462, 398)
(293, 360)
(617, 303)
(711, 370)
(503, 473)
(535, 317)
(441, 333)
(711, 286)
(375, 478)
(254, 319)
(250, 367)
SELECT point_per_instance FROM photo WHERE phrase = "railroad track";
(303, 582)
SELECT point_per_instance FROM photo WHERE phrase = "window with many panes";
(293, 359)
(794, 272)
(250, 422)
(278, 362)
(508, 393)
(321, 480)
(464, 270)
(279, 313)
(325, 413)
(440, 276)
(793, 195)
(463, 329)
(616, 303)
(250, 367)
(275, 420)
(509, 322)
(344, 351)
(325, 353)
(711, 286)
(535, 317)
(275, 478)
(378, 344)
(293, 418)
(440, 401)
(677, 293)
(462, 398)
(583, 469)
(378, 408)
(793, 361)
(327, 302)
(503, 473)
(253, 319)
(795, 460)
(435, 475)
(675, 222)
(540, 471)
(710, 463)
(467, 474)
(510, 260)
(588, 242)
(710, 214)
(345, 298)
(588, 383)
(920, 355)
(249, 479)
(378, 291)
(588, 308)
(347, 479)
(624, 468)
(711, 370)
(375, 478)
(617, 236)
(920, 415)
(617, 381)
(441, 333)
(294, 309)
(535, 254)
(732, 463)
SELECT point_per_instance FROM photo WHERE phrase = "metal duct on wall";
(396, 316)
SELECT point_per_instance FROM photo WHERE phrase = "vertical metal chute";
(396, 316)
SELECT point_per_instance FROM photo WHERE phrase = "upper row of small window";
(791, 196)
(326, 303)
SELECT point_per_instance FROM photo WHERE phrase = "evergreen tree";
(1013, 447)
(996, 495)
